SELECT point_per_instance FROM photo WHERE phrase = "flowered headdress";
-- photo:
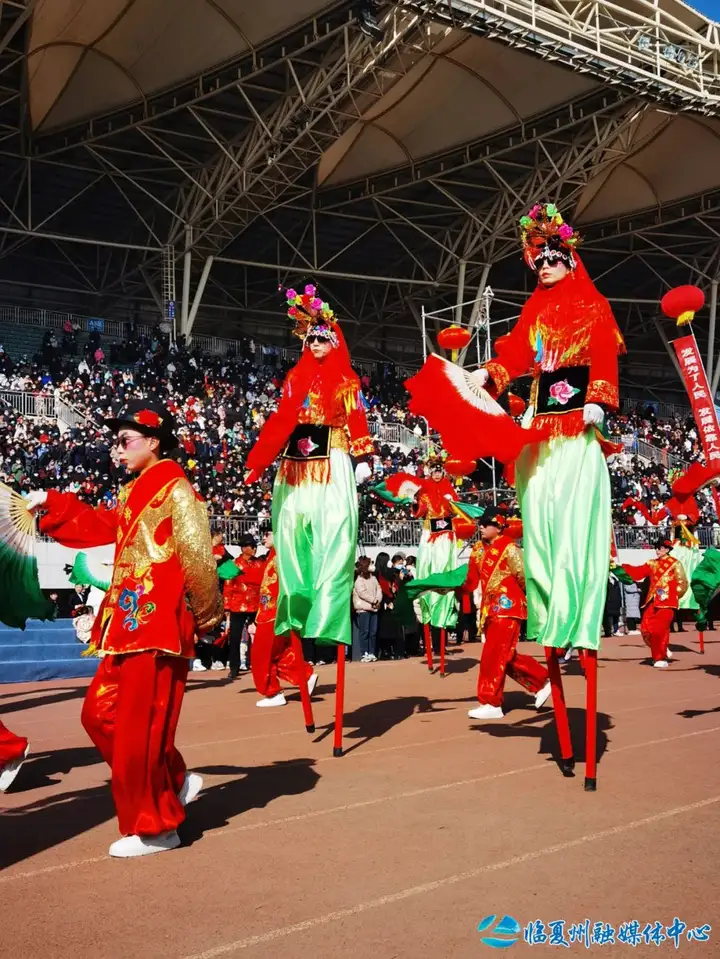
(312, 316)
(547, 237)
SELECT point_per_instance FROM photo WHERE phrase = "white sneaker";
(372, 658)
(217, 665)
(568, 655)
(365, 658)
(487, 712)
(320, 662)
(197, 666)
(190, 788)
(278, 700)
(312, 683)
(130, 846)
(634, 632)
(669, 654)
(661, 664)
(542, 697)
(10, 770)
(243, 667)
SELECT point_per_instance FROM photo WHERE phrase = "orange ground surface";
(398, 849)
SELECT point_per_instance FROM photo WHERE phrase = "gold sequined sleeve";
(191, 532)
(514, 558)
(682, 580)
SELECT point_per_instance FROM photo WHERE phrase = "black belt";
(441, 525)
(563, 390)
(308, 442)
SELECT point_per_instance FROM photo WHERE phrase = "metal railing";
(29, 404)
(644, 537)
(395, 434)
(50, 319)
(663, 410)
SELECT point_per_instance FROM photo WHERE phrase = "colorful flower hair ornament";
(546, 237)
(311, 314)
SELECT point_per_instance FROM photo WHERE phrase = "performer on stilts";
(13, 753)
(273, 658)
(433, 501)
(496, 566)
(668, 584)
(164, 591)
(568, 340)
(319, 424)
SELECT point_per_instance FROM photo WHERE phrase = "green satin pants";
(315, 529)
(564, 492)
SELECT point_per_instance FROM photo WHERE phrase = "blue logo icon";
(500, 936)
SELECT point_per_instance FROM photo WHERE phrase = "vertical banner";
(702, 402)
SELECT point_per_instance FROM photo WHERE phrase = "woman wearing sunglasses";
(319, 425)
(164, 591)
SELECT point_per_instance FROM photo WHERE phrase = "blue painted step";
(52, 624)
(50, 669)
(43, 651)
(16, 637)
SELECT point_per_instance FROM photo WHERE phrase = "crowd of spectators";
(221, 403)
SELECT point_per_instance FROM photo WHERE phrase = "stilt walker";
(434, 502)
(320, 423)
(13, 753)
(278, 658)
(164, 592)
(568, 340)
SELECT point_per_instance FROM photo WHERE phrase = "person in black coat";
(613, 606)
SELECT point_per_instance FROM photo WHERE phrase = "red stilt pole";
(427, 632)
(591, 721)
(304, 694)
(339, 700)
(702, 642)
(443, 641)
(562, 724)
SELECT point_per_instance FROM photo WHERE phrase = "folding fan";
(20, 594)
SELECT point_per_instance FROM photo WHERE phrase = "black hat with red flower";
(149, 417)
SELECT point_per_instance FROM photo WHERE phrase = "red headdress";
(333, 378)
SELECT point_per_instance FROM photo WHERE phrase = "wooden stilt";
(562, 724)
(443, 643)
(591, 721)
(427, 633)
(701, 635)
(339, 700)
(304, 694)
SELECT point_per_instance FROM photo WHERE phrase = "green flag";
(440, 581)
(228, 570)
(705, 583)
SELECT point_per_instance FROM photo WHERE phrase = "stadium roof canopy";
(206, 151)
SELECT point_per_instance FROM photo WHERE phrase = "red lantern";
(682, 303)
(454, 337)
(464, 528)
(516, 404)
(456, 467)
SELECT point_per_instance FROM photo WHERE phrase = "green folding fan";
(20, 595)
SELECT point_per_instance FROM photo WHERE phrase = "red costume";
(497, 569)
(12, 747)
(668, 585)
(273, 660)
(242, 593)
(164, 590)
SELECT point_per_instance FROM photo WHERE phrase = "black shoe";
(233, 674)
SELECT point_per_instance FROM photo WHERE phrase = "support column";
(462, 266)
(187, 267)
(711, 331)
(199, 294)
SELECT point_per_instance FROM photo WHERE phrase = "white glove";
(36, 499)
(593, 415)
(362, 472)
(481, 377)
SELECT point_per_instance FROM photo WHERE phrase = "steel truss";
(219, 174)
